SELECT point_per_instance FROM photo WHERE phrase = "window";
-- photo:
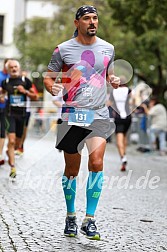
(1, 28)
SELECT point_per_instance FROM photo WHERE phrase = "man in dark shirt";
(17, 89)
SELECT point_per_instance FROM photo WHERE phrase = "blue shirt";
(3, 76)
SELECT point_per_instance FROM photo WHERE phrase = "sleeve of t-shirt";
(56, 62)
(111, 63)
(28, 83)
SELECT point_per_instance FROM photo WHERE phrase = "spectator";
(158, 124)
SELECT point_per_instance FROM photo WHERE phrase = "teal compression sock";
(69, 188)
(93, 191)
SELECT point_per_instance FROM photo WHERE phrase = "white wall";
(40, 9)
(19, 11)
(8, 10)
(15, 12)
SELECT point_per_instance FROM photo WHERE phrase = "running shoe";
(89, 229)
(2, 161)
(13, 172)
(124, 163)
(71, 226)
(123, 167)
(18, 152)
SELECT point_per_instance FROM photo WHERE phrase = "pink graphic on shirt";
(105, 62)
(84, 72)
(89, 57)
(56, 50)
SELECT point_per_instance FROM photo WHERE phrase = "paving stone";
(131, 215)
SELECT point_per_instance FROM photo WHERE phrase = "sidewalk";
(131, 215)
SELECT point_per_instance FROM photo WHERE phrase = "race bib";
(81, 117)
(17, 100)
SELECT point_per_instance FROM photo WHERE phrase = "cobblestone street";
(131, 215)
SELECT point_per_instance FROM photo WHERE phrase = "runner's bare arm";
(30, 93)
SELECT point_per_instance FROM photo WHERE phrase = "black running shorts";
(71, 138)
(15, 124)
(122, 125)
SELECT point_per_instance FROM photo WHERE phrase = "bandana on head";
(85, 9)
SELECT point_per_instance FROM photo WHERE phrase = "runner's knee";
(71, 173)
(96, 165)
(12, 141)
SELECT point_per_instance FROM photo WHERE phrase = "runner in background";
(20, 149)
(3, 76)
(17, 89)
(120, 102)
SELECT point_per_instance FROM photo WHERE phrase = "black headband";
(85, 9)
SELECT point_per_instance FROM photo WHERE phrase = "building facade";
(14, 12)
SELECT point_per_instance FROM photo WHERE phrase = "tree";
(36, 38)
(145, 20)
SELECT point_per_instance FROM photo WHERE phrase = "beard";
(91, 34)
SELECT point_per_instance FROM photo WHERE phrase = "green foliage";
(35, 41)
(136, 28)
(66, 16)
(145, 22)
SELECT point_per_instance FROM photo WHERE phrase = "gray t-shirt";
(84, 69)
